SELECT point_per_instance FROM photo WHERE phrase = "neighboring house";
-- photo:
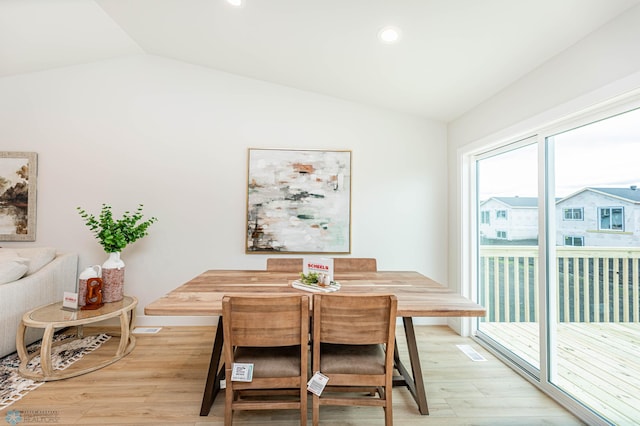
(605, 217)
(509, 219)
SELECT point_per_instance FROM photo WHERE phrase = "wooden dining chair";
(353, 345)
(272, 333)
(354, 264)
(287, 264)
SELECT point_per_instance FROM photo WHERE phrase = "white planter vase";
(113, 278)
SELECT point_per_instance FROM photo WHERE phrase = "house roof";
(516, 202)
(627, 194)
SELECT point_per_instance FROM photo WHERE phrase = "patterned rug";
(13, 386)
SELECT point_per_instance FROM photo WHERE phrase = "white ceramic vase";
(113, 278)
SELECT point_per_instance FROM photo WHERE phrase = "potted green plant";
(114, 235)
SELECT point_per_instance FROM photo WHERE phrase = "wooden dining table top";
(418, 296)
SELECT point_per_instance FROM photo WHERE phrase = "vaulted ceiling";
(452, 54)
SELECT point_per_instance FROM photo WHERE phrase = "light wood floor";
(582, 351)
(162, 380)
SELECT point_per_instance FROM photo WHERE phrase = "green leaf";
(115, 235)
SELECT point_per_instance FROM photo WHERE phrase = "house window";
(573, 214)
(501, 214)
(573, 241)
(485, 217)
(611, 218)
(501, 235)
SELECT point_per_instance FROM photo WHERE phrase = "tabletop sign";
(70, 301)
(323, 266)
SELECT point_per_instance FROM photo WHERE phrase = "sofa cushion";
(11, 271)
(11, 255)
(38, 257)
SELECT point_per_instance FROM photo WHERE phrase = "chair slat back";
(266, 321)
(354, 264)
(284, 264)
(354, 320)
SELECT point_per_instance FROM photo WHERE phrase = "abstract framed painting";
(298, 201)
(18, 171)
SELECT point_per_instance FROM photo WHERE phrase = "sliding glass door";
(594, 328)
(557, 255)
(507, 188)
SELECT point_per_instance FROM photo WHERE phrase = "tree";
(23, 172)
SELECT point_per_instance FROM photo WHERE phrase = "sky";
(601, 154)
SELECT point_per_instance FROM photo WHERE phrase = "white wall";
(603, 59)
(600, 67)
(174, 137)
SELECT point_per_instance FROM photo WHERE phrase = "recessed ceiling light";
(389, 35)
(235, 3)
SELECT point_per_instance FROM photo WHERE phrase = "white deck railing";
(594, 284)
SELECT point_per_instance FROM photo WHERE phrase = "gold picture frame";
(298, 201)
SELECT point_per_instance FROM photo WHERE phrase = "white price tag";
(317, 383)
(241, 372)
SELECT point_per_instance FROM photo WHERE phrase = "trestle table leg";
(212, 387)
(414, 381)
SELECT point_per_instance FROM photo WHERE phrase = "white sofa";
(48, 275)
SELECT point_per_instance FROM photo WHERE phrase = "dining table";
(417, 295)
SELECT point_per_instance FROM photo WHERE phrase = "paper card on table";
(323, 266)
(242, 372)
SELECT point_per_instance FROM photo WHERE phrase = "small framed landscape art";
(18, 171)
(298, 201)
